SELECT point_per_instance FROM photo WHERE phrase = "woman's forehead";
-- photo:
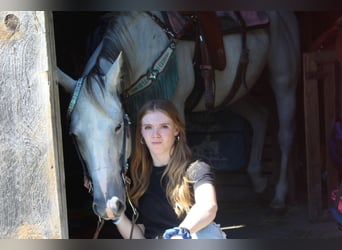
(156, 117)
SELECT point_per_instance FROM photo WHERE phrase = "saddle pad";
(228, 21)
(253, 19)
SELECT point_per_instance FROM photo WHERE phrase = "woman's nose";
(155, 132)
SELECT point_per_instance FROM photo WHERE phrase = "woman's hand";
(125, 227)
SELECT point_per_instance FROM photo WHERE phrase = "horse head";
(100, 131)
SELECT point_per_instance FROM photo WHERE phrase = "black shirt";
(156, 212)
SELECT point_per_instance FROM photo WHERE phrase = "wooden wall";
(32, 193)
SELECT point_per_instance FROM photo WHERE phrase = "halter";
(71, 107)
(126, 120)
(124, 165)
(74, 98)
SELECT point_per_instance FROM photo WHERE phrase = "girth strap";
(211, 30)
(240, 76)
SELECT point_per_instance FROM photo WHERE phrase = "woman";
(175, 196)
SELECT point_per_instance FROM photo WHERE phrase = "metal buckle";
(152, 74)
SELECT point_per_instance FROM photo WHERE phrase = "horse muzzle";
(113, 209)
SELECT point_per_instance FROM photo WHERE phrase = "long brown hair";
(178, 189)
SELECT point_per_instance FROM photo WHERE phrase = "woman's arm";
(125, 226)
(203, 212)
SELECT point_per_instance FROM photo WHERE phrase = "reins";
(126, 180)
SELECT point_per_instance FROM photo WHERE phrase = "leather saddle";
(207, 28)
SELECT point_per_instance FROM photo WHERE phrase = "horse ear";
(114, 74)
(65, 81)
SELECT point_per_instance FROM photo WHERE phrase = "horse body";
(97, 119)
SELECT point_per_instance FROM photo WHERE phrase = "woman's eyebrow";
(161, 123)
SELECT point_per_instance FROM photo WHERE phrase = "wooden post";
(329, 120)
(319, 68)
(32, 186)
(312, 139)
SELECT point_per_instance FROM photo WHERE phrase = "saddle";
(207, 28)
(330, 38)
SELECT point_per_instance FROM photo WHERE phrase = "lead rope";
(126, 180)
(100, 224)
(135, 214)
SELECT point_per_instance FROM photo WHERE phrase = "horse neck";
(144, 42)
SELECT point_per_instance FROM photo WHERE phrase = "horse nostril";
(120, 206)
(116, 205)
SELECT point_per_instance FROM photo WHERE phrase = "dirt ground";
(253, 222)
(249, 218)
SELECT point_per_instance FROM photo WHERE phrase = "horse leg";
(283, 68)
(286, 105)
(257, 115)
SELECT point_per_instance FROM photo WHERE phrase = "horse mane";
(111, 47)
(116, 39)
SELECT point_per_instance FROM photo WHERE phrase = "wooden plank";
(320, 68)
(56, 126)
(31, 199)
(339, 94)
(312, 137)
(329, 84)
(340, 88)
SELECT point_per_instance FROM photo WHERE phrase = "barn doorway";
(72, 34)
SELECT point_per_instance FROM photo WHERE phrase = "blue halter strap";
(75, 95)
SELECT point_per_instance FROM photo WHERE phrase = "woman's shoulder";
(198, 168)
(198, 163)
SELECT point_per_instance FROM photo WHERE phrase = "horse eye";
(72, 134)
(118, 128)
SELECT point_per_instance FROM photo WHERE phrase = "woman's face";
(159, 132)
